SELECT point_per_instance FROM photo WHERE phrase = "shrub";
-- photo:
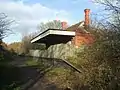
(100, 64)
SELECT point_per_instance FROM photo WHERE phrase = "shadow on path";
(17, 74)
(12, 77)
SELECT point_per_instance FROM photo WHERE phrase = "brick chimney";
(64, 25)
(87, 19)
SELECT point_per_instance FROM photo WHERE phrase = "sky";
(28, 14)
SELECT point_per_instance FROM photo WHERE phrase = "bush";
(100, 64)
(1, 57)
(63, 78)
(5, 55)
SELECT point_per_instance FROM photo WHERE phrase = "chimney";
(87, 19)
(64, 25)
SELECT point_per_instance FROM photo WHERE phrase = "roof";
(74, 27)
(53, 36)
(78, 27)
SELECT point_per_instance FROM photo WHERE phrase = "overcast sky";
(29, 13)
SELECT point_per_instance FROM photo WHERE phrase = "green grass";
(31, 62)
(58, 71)
(59, 76)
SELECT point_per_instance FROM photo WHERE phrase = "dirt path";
(28, 77)
(31, 77)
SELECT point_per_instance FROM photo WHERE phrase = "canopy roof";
(54, 36)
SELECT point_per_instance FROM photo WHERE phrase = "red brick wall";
(82, 38)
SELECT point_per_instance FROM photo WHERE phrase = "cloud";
(28, 16)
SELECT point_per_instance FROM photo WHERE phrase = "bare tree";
(50, 25)
(111, 17)
(4, 26)
(26, 45)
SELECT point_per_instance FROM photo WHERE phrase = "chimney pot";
(64, 25)
(87, 19)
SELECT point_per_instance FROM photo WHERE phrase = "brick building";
(78, 34)
(62, 43)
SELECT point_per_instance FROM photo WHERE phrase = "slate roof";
(78, 27)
